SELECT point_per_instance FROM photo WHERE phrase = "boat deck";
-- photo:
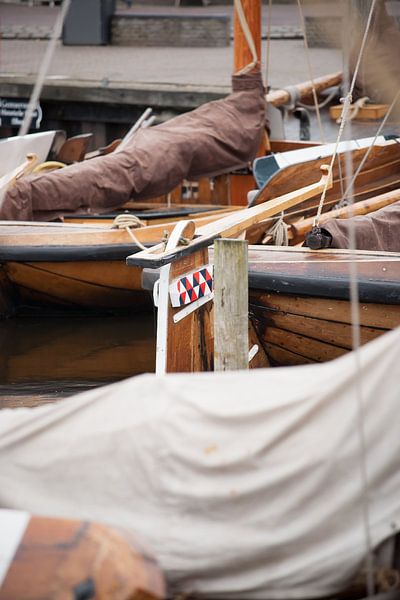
(325, 273)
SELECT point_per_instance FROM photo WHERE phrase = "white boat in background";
(240, 495)
(14, 150)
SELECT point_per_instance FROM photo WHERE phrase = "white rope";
(311, 75)
(248, 36)
(345, 111)
(268, 46)
(356, 343)
(355, 108)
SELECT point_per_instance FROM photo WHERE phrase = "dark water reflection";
(59, 356)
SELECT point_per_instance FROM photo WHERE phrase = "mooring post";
(231, 305)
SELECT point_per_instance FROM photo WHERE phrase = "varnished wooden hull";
(106, 286)
(80, 349)
(313, 322)
(52, 559)
(75, 266)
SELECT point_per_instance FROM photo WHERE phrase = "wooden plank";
(283, 357)
(231, 338)
(381, 316)
(65, 289)
(25, 401)
(331, 332)
(369, 112)
(310, 348)
(190, 342)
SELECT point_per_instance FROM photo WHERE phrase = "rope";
(278, 232)
(268, 45)
(128, 222)
(44, 66)
(356, 342)
(320, 104)
(248, 36)
(345, 111)
(355, 108)
(314, 92)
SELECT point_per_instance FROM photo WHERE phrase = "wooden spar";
(230, 226)
(298, 230)
(184, 292)
(279, 97)
(242, 52)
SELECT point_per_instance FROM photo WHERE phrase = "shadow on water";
(49, 358)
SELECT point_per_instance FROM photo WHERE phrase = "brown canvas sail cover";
(216, 137)
(379, 230)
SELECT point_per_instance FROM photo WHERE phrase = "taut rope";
(347, 101)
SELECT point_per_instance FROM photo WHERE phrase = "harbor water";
(44, 358)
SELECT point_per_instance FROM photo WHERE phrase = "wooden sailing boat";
(299, 299)
(76, 266)
(44, 557)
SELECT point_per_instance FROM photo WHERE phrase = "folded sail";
(216, 137)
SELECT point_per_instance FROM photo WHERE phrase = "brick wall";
(167, 30)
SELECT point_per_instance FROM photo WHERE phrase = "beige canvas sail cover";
(245, 484)
(216, 137)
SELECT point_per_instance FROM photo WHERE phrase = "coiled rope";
(129, 222)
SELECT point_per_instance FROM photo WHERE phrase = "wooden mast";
(240, 185)
(242, 52)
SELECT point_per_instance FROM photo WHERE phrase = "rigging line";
(356, 343)
(44, 67)
(268, 45)
(346, 107)
(248, 36)
(310, 70)
(366, 155)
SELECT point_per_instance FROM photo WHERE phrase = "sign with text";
(12, 113)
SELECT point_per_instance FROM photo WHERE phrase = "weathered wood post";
(231, 302)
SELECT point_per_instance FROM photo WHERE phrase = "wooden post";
(242, 53)
(231, 300)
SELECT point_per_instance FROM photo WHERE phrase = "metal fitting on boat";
(318, 238)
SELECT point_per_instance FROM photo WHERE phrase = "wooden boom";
(279, 97)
